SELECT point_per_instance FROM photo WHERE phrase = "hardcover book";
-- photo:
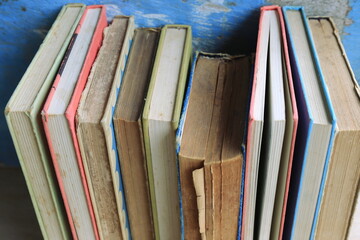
(23, 117)
(210, 146)
(90, 131)
(315, 130)
(58, 117)
(160, 120)
(271, 128)
(129, 133)
(108, 130)
(339, 185)
(283, 181)
(275, 121)
(255, 130)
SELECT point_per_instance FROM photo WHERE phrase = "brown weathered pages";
(129, 133)
(91, 134)
(213, 133)
(344, 167)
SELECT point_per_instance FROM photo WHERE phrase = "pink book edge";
(75, 99)
(295, 116)
(251, 119)
(53, 156)
(71, 110)
(250, 124)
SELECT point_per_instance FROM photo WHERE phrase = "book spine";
(183, 74)
(108, 126)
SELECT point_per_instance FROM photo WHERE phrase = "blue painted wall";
(218, 26)
(351, 37)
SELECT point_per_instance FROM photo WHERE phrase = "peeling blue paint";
(213, 22)
(351, 38)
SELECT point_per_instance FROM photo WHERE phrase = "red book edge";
(295, 116)
(71, 110)
(251, 119)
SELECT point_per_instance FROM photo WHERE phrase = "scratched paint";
(213, 21)
(228, 26)
(351, 37)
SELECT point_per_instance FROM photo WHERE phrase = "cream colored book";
(160, 120)
(274, 130)
(23, 118)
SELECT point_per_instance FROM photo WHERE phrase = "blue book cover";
(178, 135)
(305, 130)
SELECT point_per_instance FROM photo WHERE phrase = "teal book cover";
(305, 129)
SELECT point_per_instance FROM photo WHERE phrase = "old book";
(271, 129)
(23, 118)
(210, 138)
(91, 134)
(160, 120)
(58, 117)
(342, 177)
(129, 133)
(108, 129)
(315, 130)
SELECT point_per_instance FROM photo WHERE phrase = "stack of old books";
(120, 135)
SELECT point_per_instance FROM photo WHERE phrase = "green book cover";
(24, 121)
(180, 88)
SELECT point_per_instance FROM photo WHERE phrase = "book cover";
(36, 162)
(108, 128)
(254, 130)
(71, 110)
(285, 166)
(305, 127)
(177, 103)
